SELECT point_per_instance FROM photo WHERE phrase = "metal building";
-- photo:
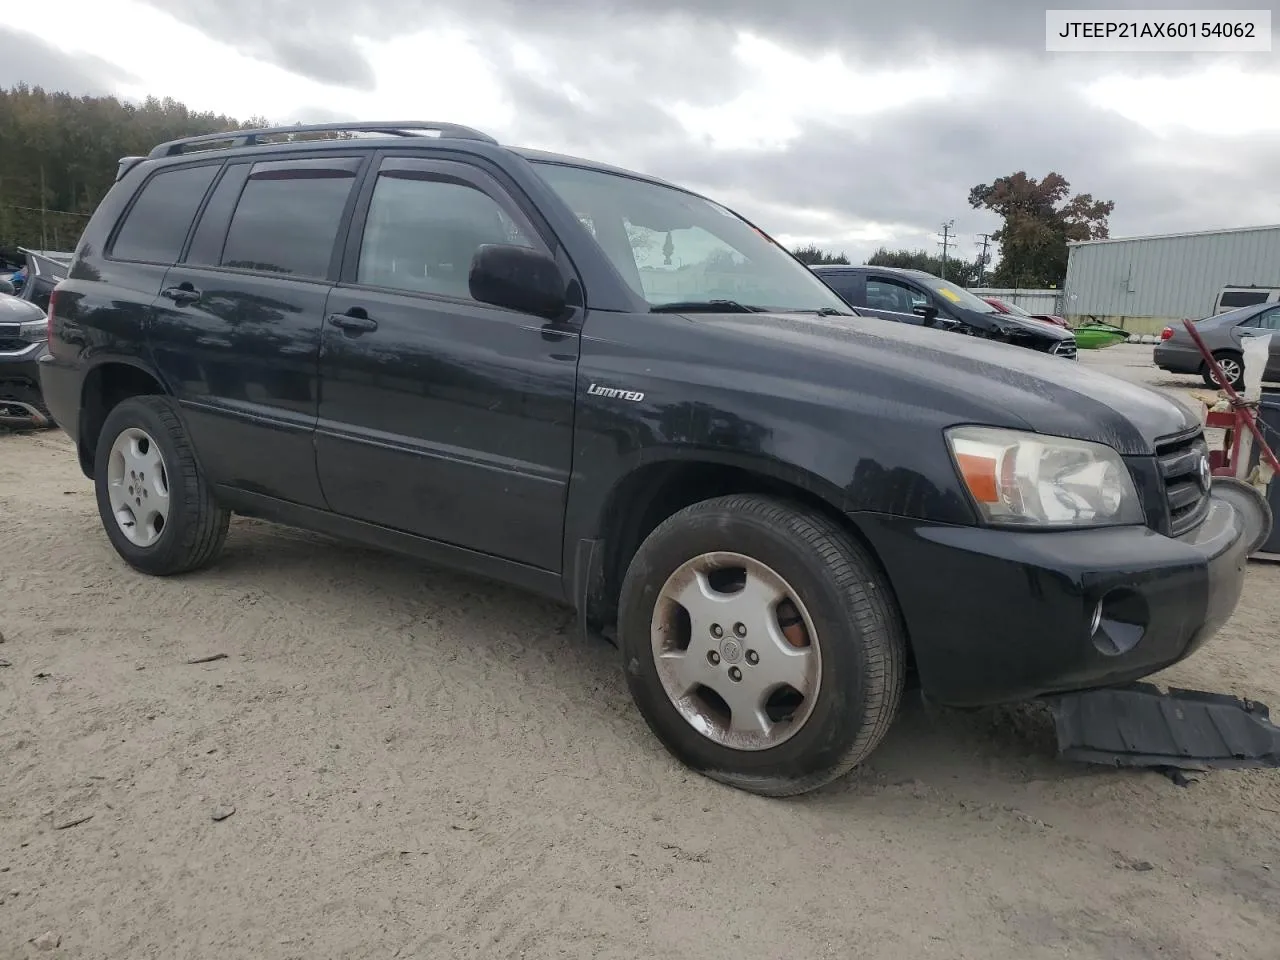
(1146, 283)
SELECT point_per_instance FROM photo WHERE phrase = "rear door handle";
(354, 322)
(181, 294)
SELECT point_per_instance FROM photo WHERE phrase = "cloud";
(26, 58)
(850, 128)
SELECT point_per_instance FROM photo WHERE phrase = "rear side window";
(844, 284)
(288, 217)
(156, 225)
(1242, 298)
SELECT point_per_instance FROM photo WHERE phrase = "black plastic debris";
(1141, 726)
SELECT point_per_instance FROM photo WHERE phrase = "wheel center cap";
(730, 650)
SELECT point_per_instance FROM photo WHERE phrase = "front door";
(439, 415)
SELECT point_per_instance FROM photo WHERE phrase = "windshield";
(1014, 308)
(958, 295)
(676, 248)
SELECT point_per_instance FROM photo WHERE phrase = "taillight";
(53, 299)
(1166, 333)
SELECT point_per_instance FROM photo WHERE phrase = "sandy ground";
(423, 765)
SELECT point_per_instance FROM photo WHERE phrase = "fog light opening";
(1120, 622)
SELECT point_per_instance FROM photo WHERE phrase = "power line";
(69, 213)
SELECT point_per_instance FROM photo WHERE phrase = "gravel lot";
(416, 764)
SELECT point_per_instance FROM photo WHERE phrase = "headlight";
(34, 330)
(1025, 479)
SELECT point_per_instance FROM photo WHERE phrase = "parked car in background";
(43, 270)
(1223, 334)
(1234, 297)
(1012, 308)
(922, 299)
(24, 334)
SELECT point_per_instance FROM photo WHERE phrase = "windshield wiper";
(705, 306)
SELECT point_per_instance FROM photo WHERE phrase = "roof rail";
(249, 138)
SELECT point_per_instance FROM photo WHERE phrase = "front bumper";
(997, 616)
(20, 398)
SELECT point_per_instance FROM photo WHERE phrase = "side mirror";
(7, 287)
(929, 313)
(517, 278)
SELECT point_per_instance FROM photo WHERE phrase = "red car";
(1019, 312)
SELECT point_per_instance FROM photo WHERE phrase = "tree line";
(58, 157)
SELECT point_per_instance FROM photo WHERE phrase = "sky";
(845, 123)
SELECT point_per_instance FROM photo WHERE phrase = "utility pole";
(946, 243)
(982, 257)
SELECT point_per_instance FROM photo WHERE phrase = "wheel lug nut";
(717, 631)
(740, 629)
(735, 674)
(713, 658)
(752, 657)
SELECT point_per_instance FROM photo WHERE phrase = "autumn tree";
(962, 272)
(1040, 217)
(815, 256)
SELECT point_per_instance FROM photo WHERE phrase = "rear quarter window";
(156, 224)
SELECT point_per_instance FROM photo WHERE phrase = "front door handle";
(353, 321)
(183, 293)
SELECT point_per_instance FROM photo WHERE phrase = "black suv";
(616, 393)
(922, 299)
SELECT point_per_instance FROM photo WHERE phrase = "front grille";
(1064, 348)
(13, 345)
(1183, 466)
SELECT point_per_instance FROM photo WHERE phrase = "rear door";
(236, 331)
(439, 415)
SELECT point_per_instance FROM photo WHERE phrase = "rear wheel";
(1232, 365)
(761, 644)
(156, 507)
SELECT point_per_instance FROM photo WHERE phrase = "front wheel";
(761, 644)
(156, 507)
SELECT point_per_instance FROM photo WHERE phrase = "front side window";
(287, 218)
(674, 247)
(156, 226)
(422, 232)
(893, 296)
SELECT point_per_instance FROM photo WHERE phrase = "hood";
(1012, 325)
(16, 310)
(967, 379)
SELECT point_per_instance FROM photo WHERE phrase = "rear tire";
(852, 666)
(193, 528)
(1232, 364)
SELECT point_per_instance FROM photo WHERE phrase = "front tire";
(156, 507)
(761, 644)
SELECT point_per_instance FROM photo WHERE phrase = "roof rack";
(250, 138)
